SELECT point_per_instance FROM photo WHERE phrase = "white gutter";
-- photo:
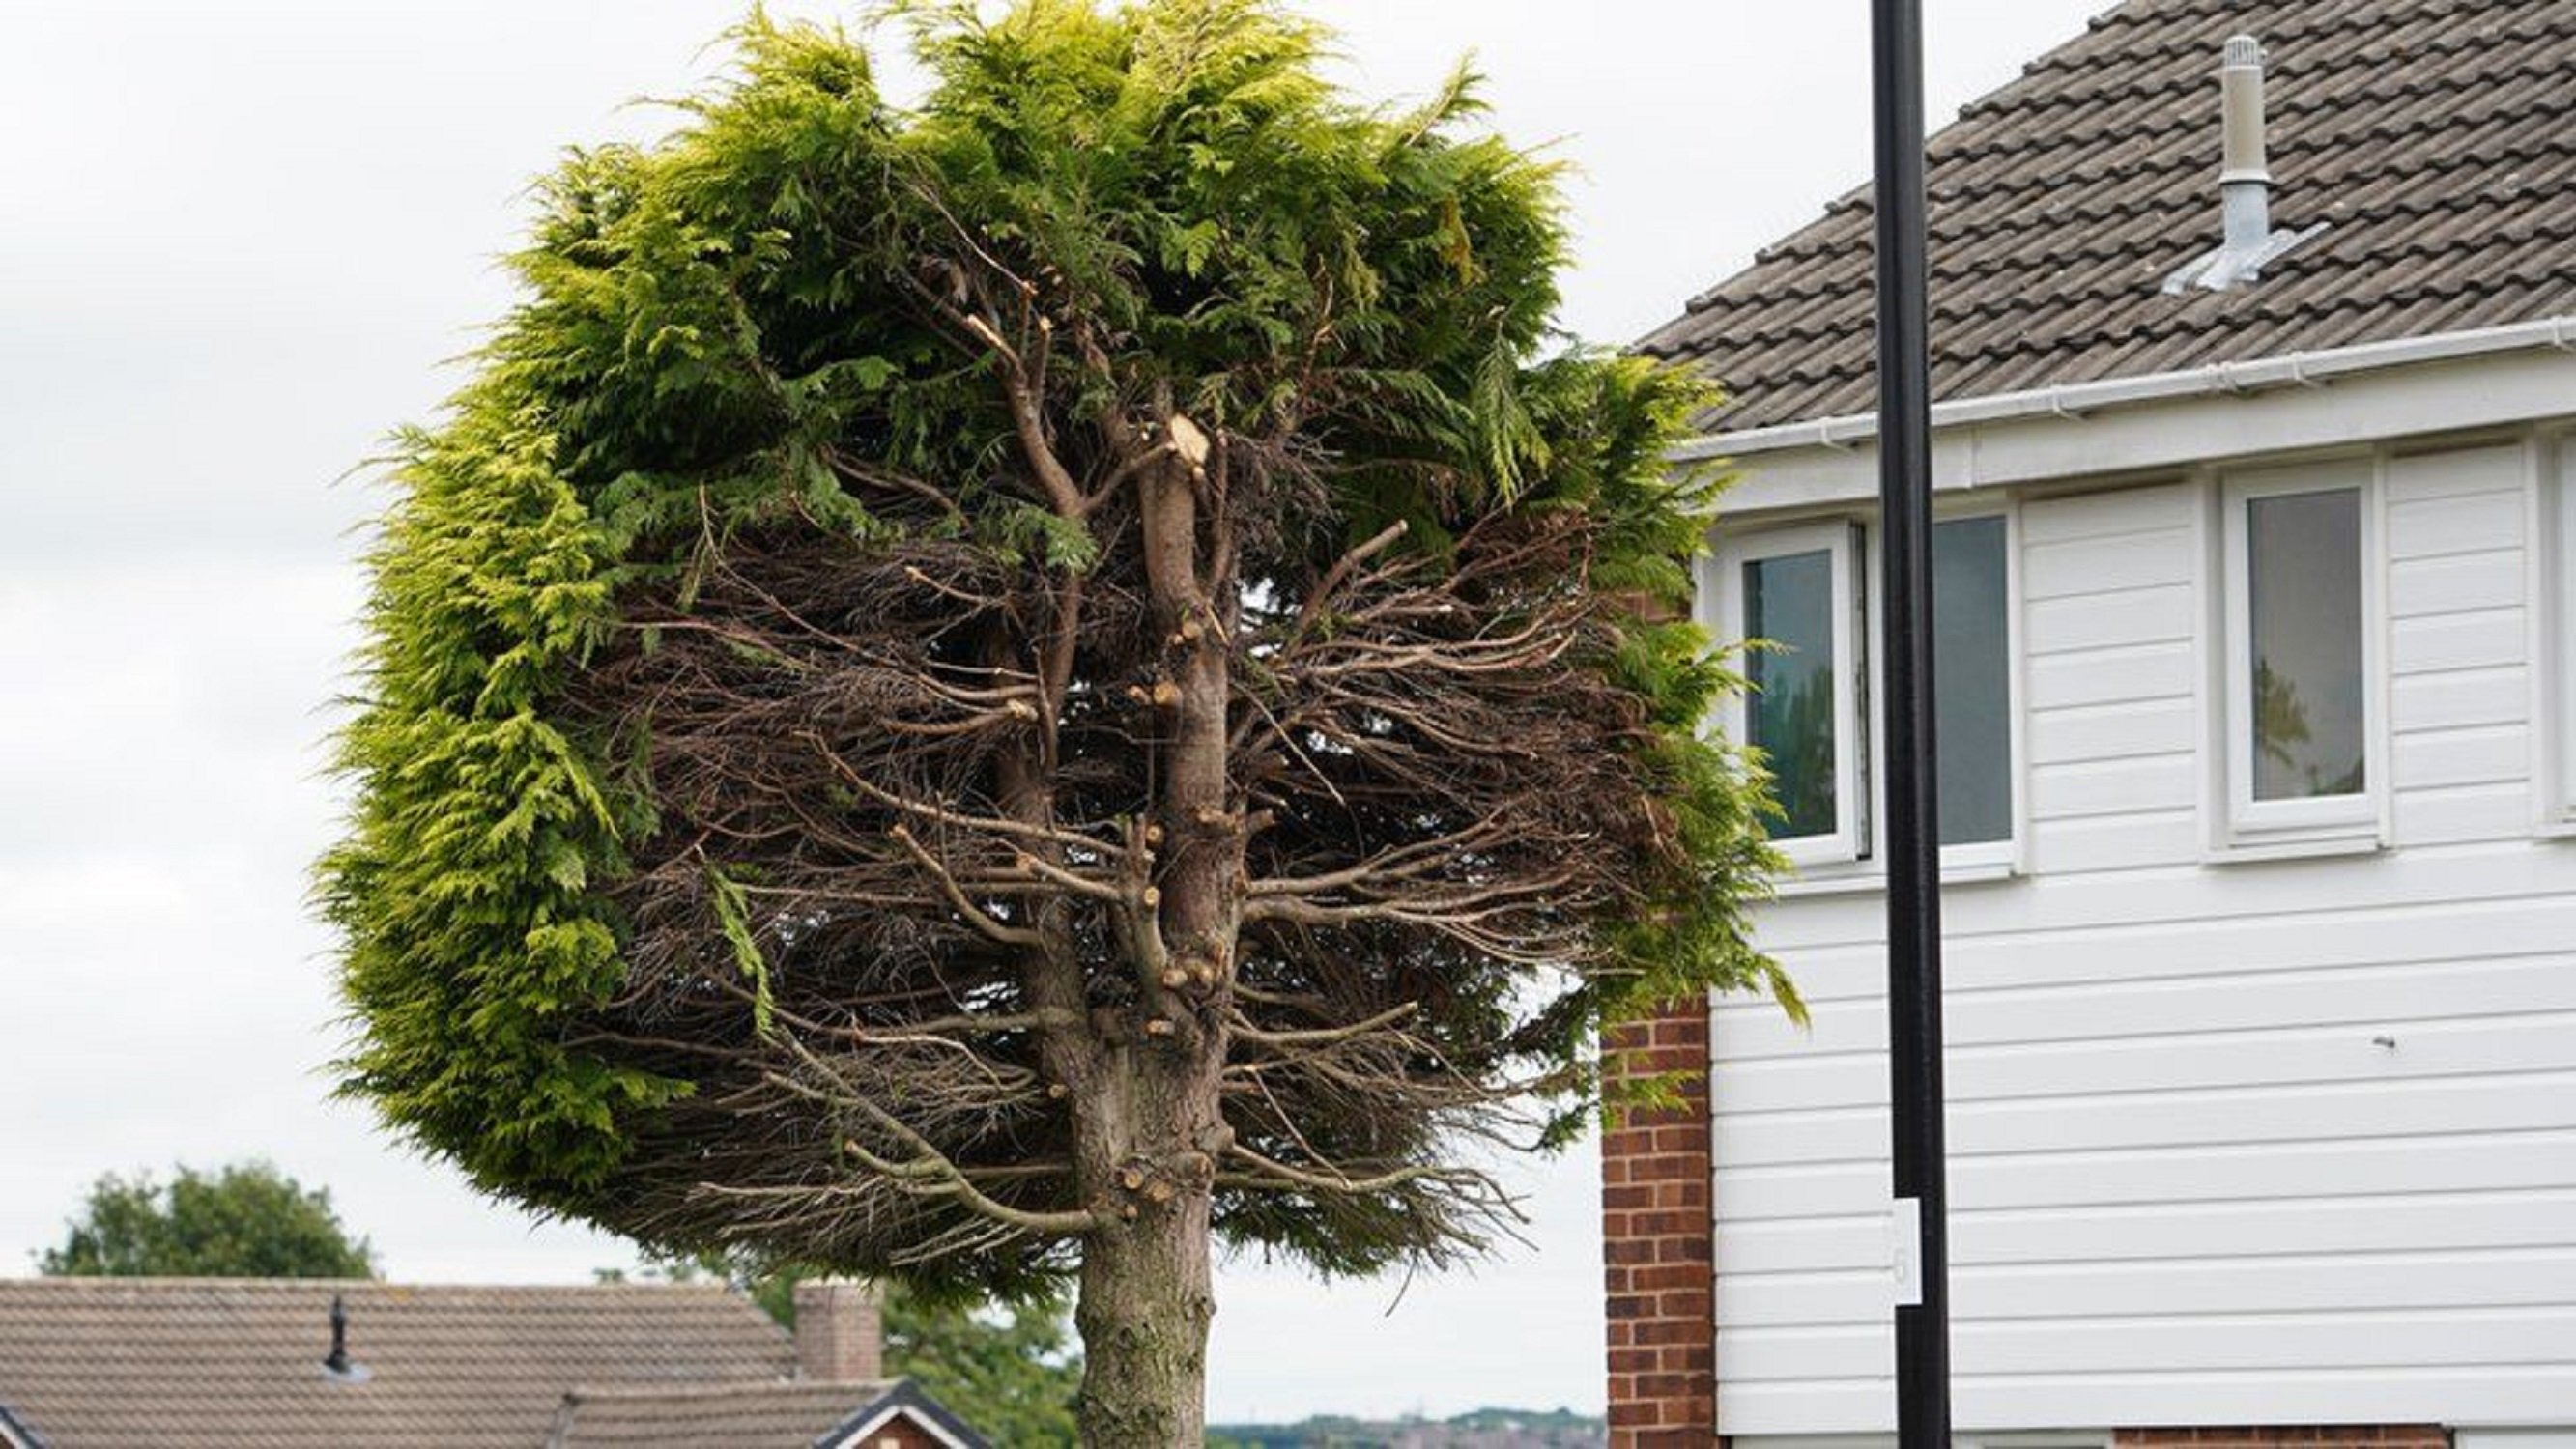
(2071, 400)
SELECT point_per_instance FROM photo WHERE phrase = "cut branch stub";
(1189, 441)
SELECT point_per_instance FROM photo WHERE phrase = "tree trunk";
(1151, 1124)
(1144, 1311)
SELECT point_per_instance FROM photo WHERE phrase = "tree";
(247, 1220)
(985, 693)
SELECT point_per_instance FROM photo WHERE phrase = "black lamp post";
(1912, 831)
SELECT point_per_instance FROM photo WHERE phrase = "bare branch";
(922, 809)
(1322, 593)
(975, 915)
(1269, 1172)
(1326, 1036)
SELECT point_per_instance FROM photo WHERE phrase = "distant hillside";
(1481, 1429)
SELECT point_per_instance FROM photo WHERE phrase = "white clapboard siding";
(2515, 1436)
(2340, 1339)
(2509, 899)
(2233, 1141)
(2161, 1010)
(2461, 747)
(2385, 1284)
(2531, 1393)
(2128, 618)
(2434, 699)
(2111, 617)
(2355, 1224)
(2153, 903)
(2299, 1111)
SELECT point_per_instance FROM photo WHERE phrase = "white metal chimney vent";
(2244, 182)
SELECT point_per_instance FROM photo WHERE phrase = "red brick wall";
(1658, 1243)
(2275, 1436)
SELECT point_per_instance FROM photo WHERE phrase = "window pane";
(2303, 567)
(1789, 603)
(1970, 671)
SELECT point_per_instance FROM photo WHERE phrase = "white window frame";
(1981, 859)
(2553, 595)
(1841, 540)
(2317, 819)
(1858, 782)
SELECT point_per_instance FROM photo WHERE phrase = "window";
(1972, 681)
(1801, 591)
(2300, 713)
(1798, 592)
(1789, 605)
(2557, 462)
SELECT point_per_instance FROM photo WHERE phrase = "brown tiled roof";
(751, 1416)
(99, 1363)
(2435, 138)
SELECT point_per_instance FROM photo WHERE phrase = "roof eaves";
(2295, 369)
(16, 1433)
(905, 1398)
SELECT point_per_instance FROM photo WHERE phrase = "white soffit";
(2487, 378)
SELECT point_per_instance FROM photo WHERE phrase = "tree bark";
(1145, 1303)
(1152, 1118)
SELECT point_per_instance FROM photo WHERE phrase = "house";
(896, 1416)
(2257, 709)
(106, 1363)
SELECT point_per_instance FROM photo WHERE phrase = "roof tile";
(102, 1363)
(2436, 139)
(788, 1416)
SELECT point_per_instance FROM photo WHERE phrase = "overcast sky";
(239, 242)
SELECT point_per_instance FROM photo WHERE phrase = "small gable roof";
(2434, 139)
(105, 1362)
(801, 1415)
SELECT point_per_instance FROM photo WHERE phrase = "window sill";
(2308, 847)
(1870, 880)
(2555, 830)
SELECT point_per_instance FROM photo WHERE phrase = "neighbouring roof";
(792, 1414)
(95, 1363)
(686, 1418)
(2436, 139)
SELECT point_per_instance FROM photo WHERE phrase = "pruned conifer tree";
(991, 692)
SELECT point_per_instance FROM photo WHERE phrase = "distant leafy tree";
(1014, 1374)
(248, 1220)
(1016, 1377)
